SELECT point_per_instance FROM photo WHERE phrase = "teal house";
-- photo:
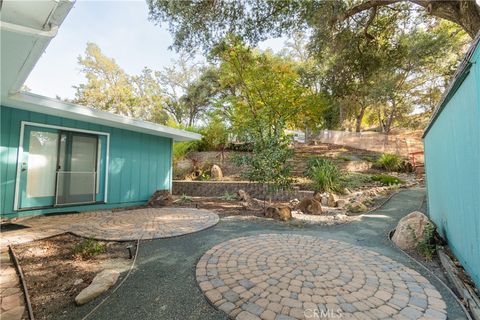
(62, 157)
(452, 163)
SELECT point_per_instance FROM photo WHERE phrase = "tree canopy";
(204, 23)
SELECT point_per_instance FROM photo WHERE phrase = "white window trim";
(42, 125)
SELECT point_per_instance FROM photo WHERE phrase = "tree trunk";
(391, 117)
(358, 120)
(465, 13)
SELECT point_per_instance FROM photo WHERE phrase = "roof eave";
(45, 105)
(456, 81)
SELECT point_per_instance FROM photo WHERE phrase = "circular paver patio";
(145, 224)
(273, 276)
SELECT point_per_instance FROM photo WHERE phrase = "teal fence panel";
(452, 155)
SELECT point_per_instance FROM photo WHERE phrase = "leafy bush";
(390, 162)
(326, 176)
(426, 245)
(387, 180)
(214, 135)
(229, 196)
(268, 163)
(355, 180)
(184, 198)
(205, 176)
(240, 146)
(89, 248)
(181, 149)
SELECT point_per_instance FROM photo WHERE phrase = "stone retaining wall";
(219, 188)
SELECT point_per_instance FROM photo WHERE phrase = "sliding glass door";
(77, 169)
(60, 168)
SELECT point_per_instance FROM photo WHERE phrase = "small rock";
(160, 198)
(294, 202)
(282, 213)
(324, 201)
(357, 207)
(243, 195)
(77, 282)
(101, 283)
(332, 200)
(310, 206)
(318, 196)
(410, 229)
(216, 173)
(341, 203)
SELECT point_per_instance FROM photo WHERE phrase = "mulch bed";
(51, 269)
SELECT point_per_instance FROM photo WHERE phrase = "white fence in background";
(374, 141)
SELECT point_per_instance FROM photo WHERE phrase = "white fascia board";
(27, 31)
(35, 40)
(37, 103)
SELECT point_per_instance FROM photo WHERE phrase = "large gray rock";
(410, 230)
(101, 283)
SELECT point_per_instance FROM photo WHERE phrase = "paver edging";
(218, 277)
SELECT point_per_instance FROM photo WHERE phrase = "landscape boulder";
(410, 230)
(310, 206)
(332, 200)
(216, 173)
(247, 202)
(357, 207)
(101, 283)
(282, 213)
(341, 203)
(160, 198)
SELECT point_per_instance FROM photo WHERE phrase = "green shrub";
(426, 246)
(184, 198)
(387, 180)
(181, 149)
(326, 176)
(390, 162)
(89, 248)
(229, 196)
(214, 136)
(355, 180)
(205, 176)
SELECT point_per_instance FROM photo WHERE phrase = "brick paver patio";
(146, 223)
(12, 305)
(273, 276)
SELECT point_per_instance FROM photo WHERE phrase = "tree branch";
(465, 13)
(367, 5)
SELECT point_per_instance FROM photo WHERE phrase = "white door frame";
(42, 125)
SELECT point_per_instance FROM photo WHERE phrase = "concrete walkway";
(164, 285)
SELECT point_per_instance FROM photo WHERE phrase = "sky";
(122, 31)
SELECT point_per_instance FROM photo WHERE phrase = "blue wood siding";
(139, 163)
(452, 155)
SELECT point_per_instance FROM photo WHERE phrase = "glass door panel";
(77, 171)
(38, 167)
